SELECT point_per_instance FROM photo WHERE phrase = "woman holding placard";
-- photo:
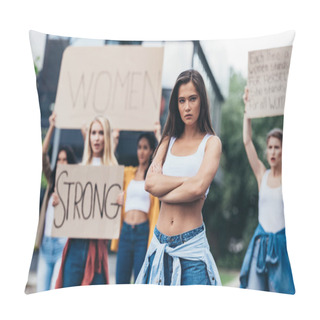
(181, 172)
(51, 248)
(85, 261)
(139, 212)
(266, 264)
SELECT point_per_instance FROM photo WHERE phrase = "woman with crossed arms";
(183, 167)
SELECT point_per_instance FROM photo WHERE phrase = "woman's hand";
(195, 187)
(47, 138)
(245, 97)
(84, 131)
(52, 119)
(155, 168)
(156, 183)
(55, 198)
(120, 198)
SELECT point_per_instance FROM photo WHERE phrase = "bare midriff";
(134, 217)
(175, 219)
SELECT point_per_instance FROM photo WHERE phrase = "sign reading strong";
(88, 205)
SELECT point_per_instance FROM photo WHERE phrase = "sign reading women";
(267, 81)
(88, 201)
(122, 83)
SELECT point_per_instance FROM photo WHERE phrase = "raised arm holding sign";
(277, 277)
(50, 247)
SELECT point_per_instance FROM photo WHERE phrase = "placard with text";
(122, 83)
(88, 201)
(267, 81)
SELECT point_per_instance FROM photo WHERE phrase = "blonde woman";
(85, 261)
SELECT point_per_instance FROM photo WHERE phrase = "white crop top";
(137, 198)
(96, 161)
(271, 216)
(49, 218)
(184, 166)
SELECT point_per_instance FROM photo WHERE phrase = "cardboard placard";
(267, 81)
(87, 207)
(122, 82)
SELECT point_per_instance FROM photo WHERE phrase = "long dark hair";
(71, 159)
(152, 141)
(174, 126)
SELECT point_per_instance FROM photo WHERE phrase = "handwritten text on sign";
(87, 202)
(122, 83)
(267, 81)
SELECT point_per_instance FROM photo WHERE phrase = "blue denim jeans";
(132, 249)
(75, 263)
(192, 272)
(49, 262)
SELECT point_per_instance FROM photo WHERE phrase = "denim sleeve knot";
(268, 252)
(272, 260)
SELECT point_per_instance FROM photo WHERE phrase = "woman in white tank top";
(139, 212)
(266, 265)
(182, 170)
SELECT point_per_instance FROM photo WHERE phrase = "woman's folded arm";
(194, 188)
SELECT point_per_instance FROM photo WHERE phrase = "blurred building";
(178, 56)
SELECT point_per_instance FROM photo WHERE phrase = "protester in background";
(184, 165)
(51, 248)
(266, 264)
(139, 212)
(85, 261)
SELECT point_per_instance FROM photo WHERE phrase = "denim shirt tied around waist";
(269, 252)
(197, 248)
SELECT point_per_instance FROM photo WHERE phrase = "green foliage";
(226, 276)
(231, 209)
(230, 261)
(35, 64)
(44, 182)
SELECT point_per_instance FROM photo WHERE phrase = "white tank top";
(137, 198)
(184, 166)
(49, 218)
(271, 216)
(96, 161)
